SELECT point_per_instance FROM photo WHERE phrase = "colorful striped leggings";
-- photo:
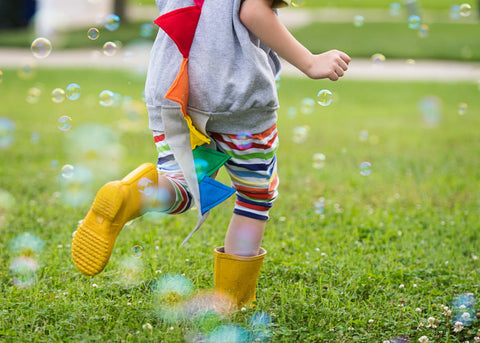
(252, 169)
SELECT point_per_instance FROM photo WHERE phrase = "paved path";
(361, 69)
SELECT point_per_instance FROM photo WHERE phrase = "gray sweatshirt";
(231, 72)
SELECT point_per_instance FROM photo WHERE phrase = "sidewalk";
(136, 58)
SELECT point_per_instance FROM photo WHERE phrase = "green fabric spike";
(208, 161)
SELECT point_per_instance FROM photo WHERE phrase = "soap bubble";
(23, 270)
(244, 140)
(131, 271)
(34, 137)
(318, 160)
(395, 8)
(298, 3)
(146, 30)
(26, 244)
(365, 168)
(106, 98)
(324, 97)
(33, 95)
(137, 251)
(378, 58)
(277, 82)
(170, 292)
(7, 201)
(67, 171)
(109, 48)
(455, 12)
(228, 333)
(358, 20)
(414, 22)
(201, 168)
(76, 184)
(307, 105)
(431, 110)
(64, 123)
(292, 111)
(7, 133)
(363, 136)
(58, 95)
(462, 108)
(93, 33)
(423, 31)
(259, 324)
(146, 186)
(465, 10)
(320, 206)
(27, 69)
(112, 22)
(300, 134)
(1, 76)
(41, 47)
(73, 91)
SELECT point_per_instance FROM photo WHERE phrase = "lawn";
(351, 257)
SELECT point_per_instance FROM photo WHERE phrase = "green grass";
(394, 40)
(403, 238)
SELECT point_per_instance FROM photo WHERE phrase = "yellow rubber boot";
(236, 276)
(115, 204)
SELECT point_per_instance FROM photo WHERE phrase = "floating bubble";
(298, 3)
(378, 58)
(465, 10)
(34, 137)
(110, 48)
(146, 30)
(363, 136)
(431, 110)
(307, 105)
(23, 270)
(324, 97)
(320, 206)
(201, 168)
(318, 160)
(146, 186)
(112, 22)
(64, 123)
(1, 76)
(27, 69)
(58, 95)
(33, 95)
(423, 31)
(41, 47)
(410, 61)
(292, 111)
(228, 333)
(76, 185)
(358, 20)
(137, 251)
(172, 285)
(277, 82)
(73, 91)
(7, 133)
(463, 308)
(455, 12)
(395, 8)
(131, 271)
(67, 171)
(107, 98)
(414, 22)
(300, 134)
(260, 327)
(462, 108)
(7, 201)
(365, 168)
(26, 244)
(93, 33)
(244, 140)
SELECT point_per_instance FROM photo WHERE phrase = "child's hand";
(331, 64)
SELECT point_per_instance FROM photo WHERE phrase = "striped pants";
(252, 168)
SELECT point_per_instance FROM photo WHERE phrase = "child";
(210, 83)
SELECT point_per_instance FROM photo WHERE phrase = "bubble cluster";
(64, 123)
(414, 22)
(307, 105)
(395, 8)
(465, 10)
(58, 95)
(110, 48)
(112, 22)
(300, 134)
(365, 168)
(93, 33)
(358, 20)
(73, 91)
(7, 133)
(244, 140)
(318, 160)
(324, 97)
(41, 47)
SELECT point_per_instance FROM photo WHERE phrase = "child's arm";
(259, 19)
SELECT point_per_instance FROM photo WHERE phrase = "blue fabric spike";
(213, 193)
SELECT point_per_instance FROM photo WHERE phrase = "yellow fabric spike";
(178, 92)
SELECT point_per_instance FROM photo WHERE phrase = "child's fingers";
(342, 64)
(345, 57)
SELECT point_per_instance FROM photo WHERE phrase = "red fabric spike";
(199, 3)
(180, 26)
